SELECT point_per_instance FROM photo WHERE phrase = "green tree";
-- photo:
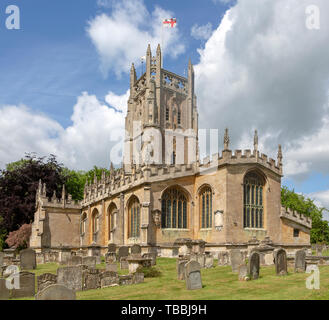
(298, 202)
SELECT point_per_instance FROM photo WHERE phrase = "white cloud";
(201, 32)
(95, 129)
(320, 198)
(262, 68)
(121, 36)
(118, 102)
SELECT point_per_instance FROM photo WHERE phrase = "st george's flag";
(170, 23)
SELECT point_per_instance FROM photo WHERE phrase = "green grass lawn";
(218, 283)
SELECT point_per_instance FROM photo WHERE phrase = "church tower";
(162, 118)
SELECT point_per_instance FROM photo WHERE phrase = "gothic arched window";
(95, 221)
(83, 223)
(174, 209)
(205, 196)
(134, 218)
(253, 208)
(110, 216)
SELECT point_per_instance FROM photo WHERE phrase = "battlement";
(296, 217)
(64, 202)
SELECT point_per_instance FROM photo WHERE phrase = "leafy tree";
(298, 202)
(18, 185)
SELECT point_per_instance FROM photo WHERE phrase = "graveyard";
(201, 276)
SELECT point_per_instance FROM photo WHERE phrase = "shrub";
(20, 238)
(149, 272)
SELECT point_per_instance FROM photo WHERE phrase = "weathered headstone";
(71, 277)
(56, 292)
(223, 258)
(75, 261)
(64, 256)
(123, 252)
(89, 261)
(28, 259)
(254, 265)
(180, 265)
(138, 277)
(209, 261)
(136, 249)
(109, 279)
(110, 257)
(280, 260)
(91, 279)
(111, 248)
(113, 267)
(152, 256)
(126, 279)
(4, 291)
(243, 272)
(45, 280)
(300, 263)
(193, 275)
(236, 259)
(124, 263)
(201, 258)
(26, 285)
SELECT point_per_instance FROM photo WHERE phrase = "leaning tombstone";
(236, 259)
(300, 263)
(123, 252)
(56, 292)
(4, 291)
(280, 260)
(28, 259)
(45, 280)
(253, 265)
(193, 275)
(26, 285)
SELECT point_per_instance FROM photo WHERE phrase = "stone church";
(164, 192)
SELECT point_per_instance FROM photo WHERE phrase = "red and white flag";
(170, 23)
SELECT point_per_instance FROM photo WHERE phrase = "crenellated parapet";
(65, 201)
(295, 216)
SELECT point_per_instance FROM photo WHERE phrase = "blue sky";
(268, 73)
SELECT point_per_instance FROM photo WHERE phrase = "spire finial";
(148, 52)
(159, 48)
(226, 139)
(256, 141)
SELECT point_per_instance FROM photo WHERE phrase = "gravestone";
(89, 261)
(71, 277)
(243, 272)
(112, 267)
(26, 284)
(126, 279)
(236, 259)
(138, 277)
(123, 252)
(64, 255)
(180, 266)
(193, 275)
(300, 263)
(209, 261)
(4, 291)
(124, 263)
(111, 248)
(56, 292)
(152, 256)
(223, 258)
(91, 279)
(45, 280)
(28, 259)
(280, 260)
(136, 249)
(110, 257)
(75, 261)
(109, 279)
(253, 265)
(1, 259)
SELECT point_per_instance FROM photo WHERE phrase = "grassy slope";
(218, 283)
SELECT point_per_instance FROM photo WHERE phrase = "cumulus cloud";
(201, 32)
(96, 128)
(262, 68)
(119, 102)
(120, 37)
